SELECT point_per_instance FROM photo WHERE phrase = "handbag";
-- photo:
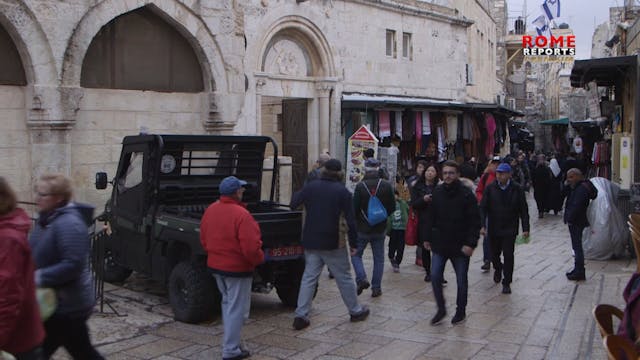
(411, 232)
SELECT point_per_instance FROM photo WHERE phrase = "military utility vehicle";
(162, 187)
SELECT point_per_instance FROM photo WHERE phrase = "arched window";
(140, 51)
(11, 70)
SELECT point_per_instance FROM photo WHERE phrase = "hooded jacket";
(20, 324)
(575, 212)
(61, 246)
(324, 201)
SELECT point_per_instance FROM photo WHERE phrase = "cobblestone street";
(547, 316)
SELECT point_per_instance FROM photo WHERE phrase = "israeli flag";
(551, 9)
(542, 25)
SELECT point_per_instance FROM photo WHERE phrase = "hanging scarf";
(555, 167)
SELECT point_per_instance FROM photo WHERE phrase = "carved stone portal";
(286, 57)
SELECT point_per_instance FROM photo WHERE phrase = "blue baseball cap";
(231, 184)
(504, 167)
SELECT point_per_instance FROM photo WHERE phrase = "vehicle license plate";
(285, 252)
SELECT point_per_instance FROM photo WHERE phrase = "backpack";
(376, 213)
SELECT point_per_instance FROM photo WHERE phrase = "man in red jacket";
(486, 179)
(231, 238)
(21, 330)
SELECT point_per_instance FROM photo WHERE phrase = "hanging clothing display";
(441, 144)
(452, 128)
(418, 132)
(384, 124)
(467, 132)
(398, 122)
(491, 129)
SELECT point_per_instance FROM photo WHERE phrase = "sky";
(582, 16)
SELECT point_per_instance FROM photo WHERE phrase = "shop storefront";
(430, 129)
(613, 106)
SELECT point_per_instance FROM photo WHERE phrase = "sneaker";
(459, 317)
(444, 282)
(437, 318)
(362, 285)
(497, 276)
(243, 355)
(486, 266)
(376, 292)
(331, 275)
(396, 268)
(427, 278)
(570, 272)
(361, 316)
(577, 276)
(506, 289)
(300, 323)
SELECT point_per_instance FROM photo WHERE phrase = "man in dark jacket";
(575, 215)
(503, 205)
(325, 200)
(371, 185)
(453, 227)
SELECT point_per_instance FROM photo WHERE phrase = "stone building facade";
(95, 71)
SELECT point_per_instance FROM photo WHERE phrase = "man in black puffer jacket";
(453, 228)
(503, 205)
(575, 215)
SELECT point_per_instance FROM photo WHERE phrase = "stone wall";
(15, 161)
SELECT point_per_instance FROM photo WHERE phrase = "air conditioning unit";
(621, 160)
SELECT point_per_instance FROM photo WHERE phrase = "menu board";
(361, 140)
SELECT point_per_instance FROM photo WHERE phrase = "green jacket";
(398, 219)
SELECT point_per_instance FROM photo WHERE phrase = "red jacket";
(20, 324)
(231, 238)
(486, 179)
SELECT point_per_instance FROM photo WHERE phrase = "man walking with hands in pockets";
(503, 205)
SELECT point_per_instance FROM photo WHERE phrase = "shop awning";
(605, 71)
(359, 100)
(561, 121)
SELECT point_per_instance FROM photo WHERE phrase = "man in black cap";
(325, 200)
(503, 205)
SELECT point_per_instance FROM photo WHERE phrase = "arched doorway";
(293, 86)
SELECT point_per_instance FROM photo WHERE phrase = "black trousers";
(426, 259)
(396, 246)
(72, 333)
(506, 246)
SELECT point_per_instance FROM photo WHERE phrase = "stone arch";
(302, 43)
(174, 12)
(32, 44)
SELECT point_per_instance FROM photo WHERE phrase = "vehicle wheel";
(288, 282)
(112, 272)
(192, 293)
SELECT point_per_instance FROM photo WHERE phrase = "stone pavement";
(546, 316)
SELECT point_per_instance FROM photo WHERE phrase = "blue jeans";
(236, 301)
(576, 243)
(377, 247)
(338, 263)
(461, 267)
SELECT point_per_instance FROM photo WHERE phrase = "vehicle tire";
(112, 272)
(288, 280)
(192, 293)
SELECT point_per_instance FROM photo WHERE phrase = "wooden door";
(294, 138)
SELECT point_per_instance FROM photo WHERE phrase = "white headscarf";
(555, 167)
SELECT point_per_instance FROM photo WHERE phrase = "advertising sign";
(361, 140)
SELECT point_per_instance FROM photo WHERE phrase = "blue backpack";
(376, 213)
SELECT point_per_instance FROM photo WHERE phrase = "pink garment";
(418, 132)
(491, 129)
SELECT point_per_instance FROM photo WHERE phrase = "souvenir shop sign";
(361, 140)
